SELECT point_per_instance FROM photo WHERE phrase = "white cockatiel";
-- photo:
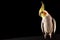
(48, 23)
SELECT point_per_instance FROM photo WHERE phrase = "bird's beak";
(41, 9)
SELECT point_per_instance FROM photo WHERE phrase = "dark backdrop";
(21, 19)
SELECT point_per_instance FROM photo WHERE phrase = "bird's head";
(42, 11)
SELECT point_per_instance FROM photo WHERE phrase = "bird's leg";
(45, 35)
(50, 35)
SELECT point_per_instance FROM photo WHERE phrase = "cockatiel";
(48, 23)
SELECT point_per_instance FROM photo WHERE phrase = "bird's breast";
(47, 24)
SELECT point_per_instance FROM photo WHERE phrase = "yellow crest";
(42, 7)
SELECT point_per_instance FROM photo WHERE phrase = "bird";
(48, 23)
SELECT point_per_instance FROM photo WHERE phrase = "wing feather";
(54, 21)
(42, 26)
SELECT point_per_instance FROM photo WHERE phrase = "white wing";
(42, 26)
(54, 25)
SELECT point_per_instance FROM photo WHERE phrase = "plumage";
(48, 23)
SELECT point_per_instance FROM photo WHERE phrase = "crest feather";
(42, 7)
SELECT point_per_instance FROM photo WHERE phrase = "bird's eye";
(41, 12)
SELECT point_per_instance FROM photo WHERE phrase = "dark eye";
(41, 12)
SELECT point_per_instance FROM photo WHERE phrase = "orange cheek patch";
(44, 13)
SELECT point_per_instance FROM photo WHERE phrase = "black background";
(21, 19)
